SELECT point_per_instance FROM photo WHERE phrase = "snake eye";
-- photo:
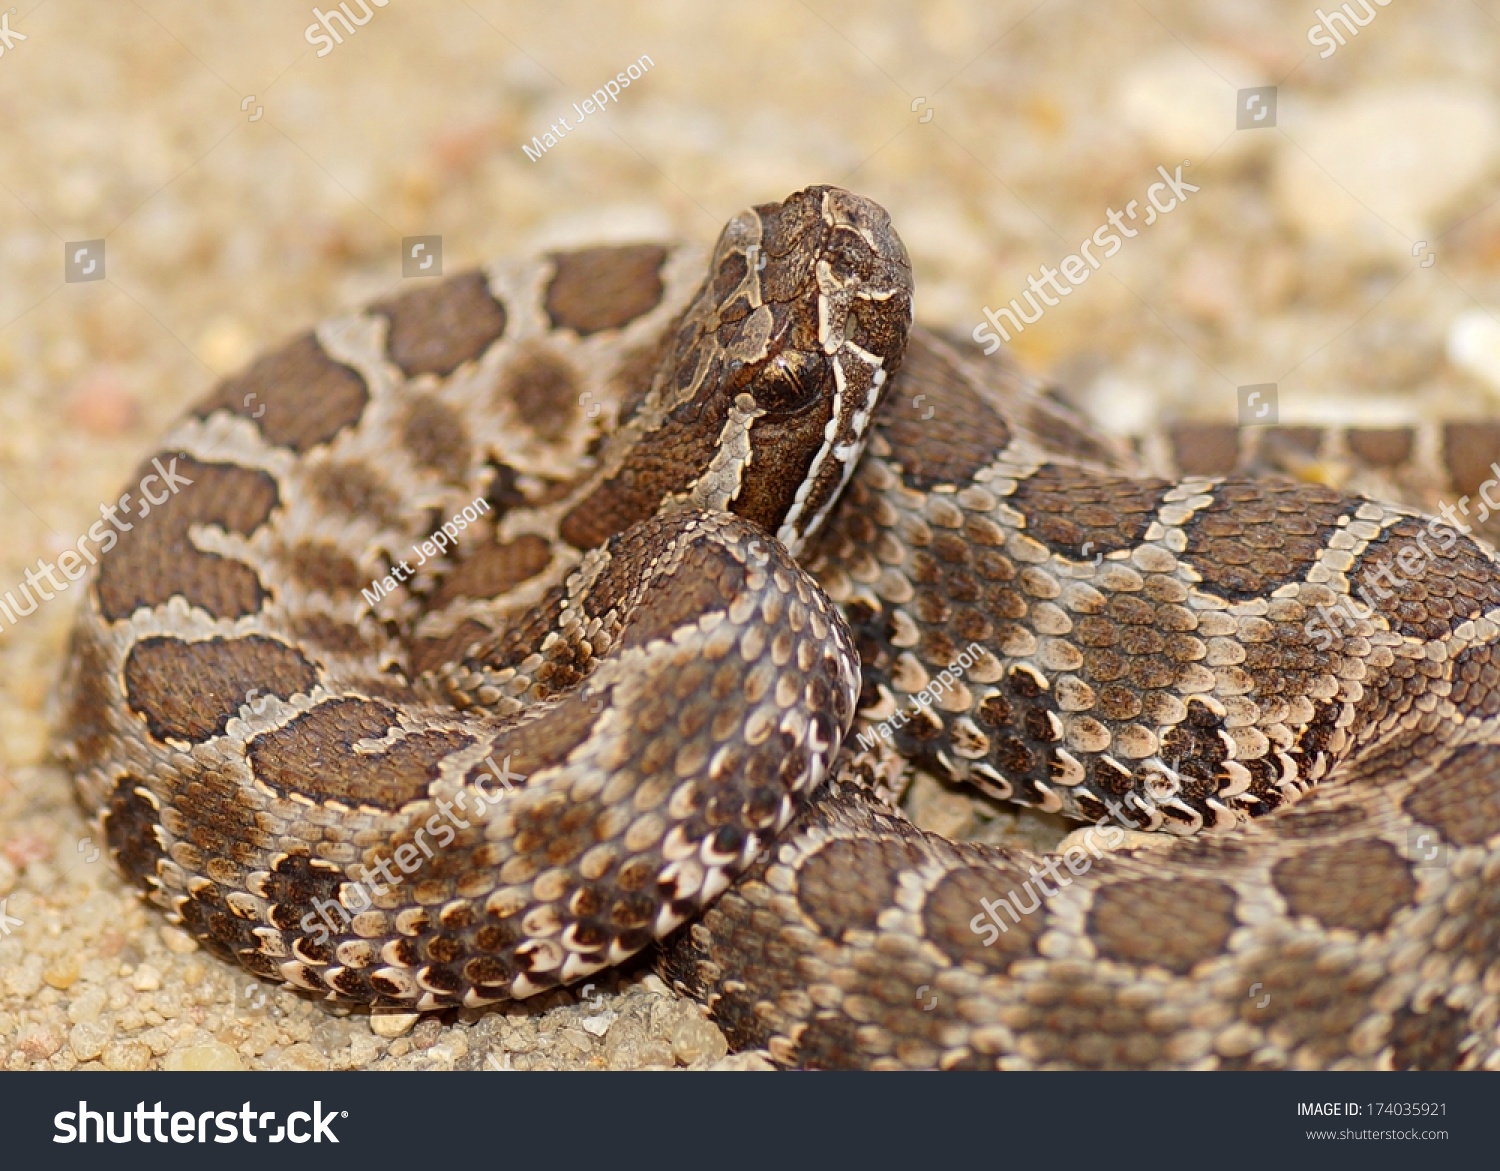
(791, 382)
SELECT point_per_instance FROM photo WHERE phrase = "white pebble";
(599, 1024)
(1474, 345)
(392, 1024)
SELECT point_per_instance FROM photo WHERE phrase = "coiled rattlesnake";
(471, 657)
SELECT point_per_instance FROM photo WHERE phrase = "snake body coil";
(475, 655)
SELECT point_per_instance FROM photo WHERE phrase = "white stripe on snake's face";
(811, 308)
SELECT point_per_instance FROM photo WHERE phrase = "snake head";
(764, 398)
(808, 307)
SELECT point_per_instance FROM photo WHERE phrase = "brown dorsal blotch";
(436, 329)
(595, 289)
(295, 758)
(296, 397)
(158, 557)
(191, 690)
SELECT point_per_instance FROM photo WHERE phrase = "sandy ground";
(245, 187)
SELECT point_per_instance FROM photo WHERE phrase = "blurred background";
(233, 172)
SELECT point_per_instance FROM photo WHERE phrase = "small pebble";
(938, 809)
(363, 1049)
(330, 1036)
(147, 979)
(87, 1005)
(24, 979)
(158, 1040)
(393, 1024)
(1206, 286)
(597, 1024)
(38, 1042)
(581, 1042)
(696, 1039)
(211, 1055)
(629, 1046)
(1122, 402)
(177, 941)
(427, 1033)
(62, 972)
(302, 1056)
(65, 359)
(460, 148)
(126, 1055)
(87, 1040)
